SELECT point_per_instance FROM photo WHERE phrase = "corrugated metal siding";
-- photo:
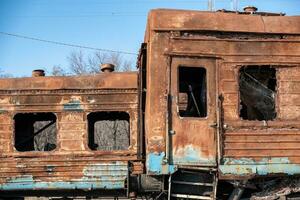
(289, 93)
(62, 173)
(260, 142)
(253, 147)
(72, 165)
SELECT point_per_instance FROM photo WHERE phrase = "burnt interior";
(108, 131)
(35, 132)
(192, 92)
(257, 92)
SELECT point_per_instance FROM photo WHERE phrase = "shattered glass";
(257, 93)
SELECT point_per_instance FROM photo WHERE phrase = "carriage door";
(192, 124)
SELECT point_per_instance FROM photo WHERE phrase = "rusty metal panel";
(156, 104)
(289, 93)
(257, 144)
(286, 92)
(181, 34)
(231, 45)
(194, 141)
(101, 175)
(261, 147)
(6, 127)
(113, 80)
(246, 147)
(72, 124)
(72, 165)
(163, 19)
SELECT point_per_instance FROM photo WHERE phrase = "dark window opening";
(108, 131)
(35, 132)
(192, 92)
(257, 93)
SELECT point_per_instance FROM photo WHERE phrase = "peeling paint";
(265, 169)
(189, 154)
(110, 175)
(174, 38)
(74, 105)
(157, 165)
(2, 110)
(247, 161)
(72, 165)
(265, 166)
(82, 185)
(154, 162)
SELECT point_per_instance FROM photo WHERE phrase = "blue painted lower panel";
(61, 185)
(157, 165)
(108, 175)
(265, 166)
(191, 155)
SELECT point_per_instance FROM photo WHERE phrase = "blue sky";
(108, 24)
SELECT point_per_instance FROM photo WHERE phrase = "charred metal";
(212, 113)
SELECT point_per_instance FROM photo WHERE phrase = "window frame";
(177, 93)
(13, 139)
(87, 147)
(273, 66)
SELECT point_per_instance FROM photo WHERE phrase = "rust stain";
(161, 139)
(72, 164)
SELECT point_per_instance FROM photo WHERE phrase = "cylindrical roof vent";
(250, 9)
(38, 73)
(107, 67)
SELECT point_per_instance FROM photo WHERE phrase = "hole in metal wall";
(257, 87)
(35, 132)
(108, 131)
(192, 101)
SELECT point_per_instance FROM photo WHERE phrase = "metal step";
(193, 183)
(184, 186)
(188, 196)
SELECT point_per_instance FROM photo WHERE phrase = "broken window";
(257, 92)
(192, 100)
(108, 131)
(35, 132)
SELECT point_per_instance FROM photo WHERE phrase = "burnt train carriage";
(212, 112)
(222, 98)
(52, 132)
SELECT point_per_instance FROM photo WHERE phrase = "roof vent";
(107, 67)
(38, 73)
(250, 9)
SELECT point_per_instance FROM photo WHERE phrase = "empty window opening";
(35, 132)
(257, 93)
(108, 131)
(192, 98)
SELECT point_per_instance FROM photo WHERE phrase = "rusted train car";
(212, 113)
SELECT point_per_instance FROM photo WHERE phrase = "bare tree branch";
(5, 75)
(77, 63)
(58, 71)
(127, 66)
(80, 65)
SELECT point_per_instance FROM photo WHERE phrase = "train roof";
(113, 80)
(224, 21)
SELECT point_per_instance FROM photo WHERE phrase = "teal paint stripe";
(62, 185)
(107, 170)
(156, 164)
(73, 105)
(264, 166)
(110, 175)
(249, 161)
(261, 169)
